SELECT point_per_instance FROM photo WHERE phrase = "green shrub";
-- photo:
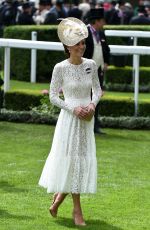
(116, 108)
(144, 109)
(122, 107)
(106, 122)
(21, 101)
(125, 122)
(46, 107)
(124, 75)
(109, 107)
(126, 87)
(27, 117)
(118, 75)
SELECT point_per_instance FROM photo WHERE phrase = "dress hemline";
(62, 191)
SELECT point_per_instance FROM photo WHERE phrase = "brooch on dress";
(88, 70)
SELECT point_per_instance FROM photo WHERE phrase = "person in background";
(111, 15)
(141, 18)
(98, 50)
(75, 11)
(140, 3)
(106, 6)
(99, 3)
(128, 13)
(56, 11)
(40, 14)
(85, 8)
(25, 18)
(147, 8)
(9, 13)
(120, 6)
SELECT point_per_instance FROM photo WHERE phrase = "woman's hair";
(66, 51)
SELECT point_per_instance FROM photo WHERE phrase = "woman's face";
(78, 49)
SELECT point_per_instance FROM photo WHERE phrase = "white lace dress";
(71, 166)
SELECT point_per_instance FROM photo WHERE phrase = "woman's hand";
(85, 113)
(91, 110)
(81, 112)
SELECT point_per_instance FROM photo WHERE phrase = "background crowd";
(117, 12)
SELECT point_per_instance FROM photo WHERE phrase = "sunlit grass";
(121, 202)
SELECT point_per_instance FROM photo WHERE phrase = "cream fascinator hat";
(71, 31)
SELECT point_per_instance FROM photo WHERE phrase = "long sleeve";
(56, 84)
(96, 89)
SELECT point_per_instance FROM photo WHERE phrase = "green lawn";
(122, 200)
(38, 87)
(24, 86)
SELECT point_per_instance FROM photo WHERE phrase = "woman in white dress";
(71, 166)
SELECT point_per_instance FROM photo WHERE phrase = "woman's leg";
(58, 199)
(77, 211)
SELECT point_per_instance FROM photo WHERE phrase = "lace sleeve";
(96, 89)
(56, 84)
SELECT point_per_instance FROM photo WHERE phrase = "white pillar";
(136, 83)
(33, 59)
(6, 69)
(135, 40)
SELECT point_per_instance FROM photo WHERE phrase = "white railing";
(57, 46)
(128, 33)
(134, 35)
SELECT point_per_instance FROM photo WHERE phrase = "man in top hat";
(97, 49)
(25, 18)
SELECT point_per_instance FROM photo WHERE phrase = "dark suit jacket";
(75, 12)
(90, 46)
(111, 17)
(25, 19)
(140, 20)
(90, 50)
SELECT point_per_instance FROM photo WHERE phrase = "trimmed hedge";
(21, 100)
(109, 107)
(27, 117)
(124, 75)
(106, 122)
(126, 88)
(20, 67)
(125, 122)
